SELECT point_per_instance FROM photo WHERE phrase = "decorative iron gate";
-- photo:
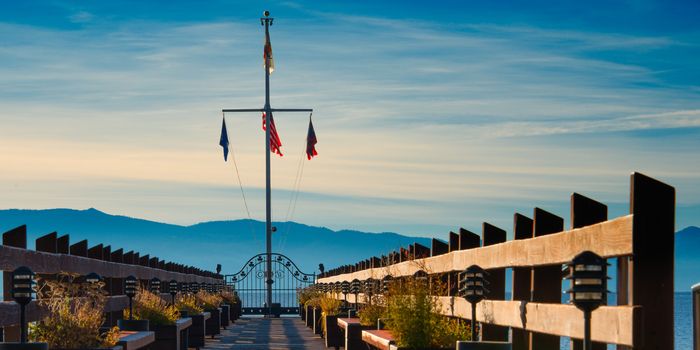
(250, 285)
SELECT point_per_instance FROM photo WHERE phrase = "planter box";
(334, 335)
(170, 337)
(133, 325)
(352, 333)
(302, 312)
(116, 347)
(24, 346)
(483, 345)
(213, 324)
(197, 334)
(317, 321)
(225, 316)
(309, 319)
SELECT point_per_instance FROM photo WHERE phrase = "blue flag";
(224, 139)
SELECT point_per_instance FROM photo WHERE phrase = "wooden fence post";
(522, 229)
(497, 283)
(546, 280)
(653, 205)
(585, 212)
(17, 237)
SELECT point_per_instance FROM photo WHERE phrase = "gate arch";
(249, 283)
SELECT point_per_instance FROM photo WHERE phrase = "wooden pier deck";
(265, 333)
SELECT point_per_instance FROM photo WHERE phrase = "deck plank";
(262, 333)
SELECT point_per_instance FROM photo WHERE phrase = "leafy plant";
(148, 306)
(306, 294)
(75, 315)
(412, 312)
(230, 298)
(188, 302)
(208, 301)
(369, 314)
(329, 305)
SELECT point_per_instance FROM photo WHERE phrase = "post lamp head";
(130, 286)
(22, 285)
(194, 287)
(589, 281)
(218, 269)
(386, 283)
(93, 278)
(473, 284)
(172, 287)
(370, 286)
(336, 287)
(203, 287)
(182, 287)
(266, 13)
(155, 285)
(355, 286)
(345, 287)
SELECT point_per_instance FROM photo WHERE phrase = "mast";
(267, 21)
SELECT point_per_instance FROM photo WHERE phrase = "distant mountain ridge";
(231, 243)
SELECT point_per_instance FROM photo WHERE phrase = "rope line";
(240, 185)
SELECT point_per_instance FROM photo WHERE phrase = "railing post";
(546, 280)
(585, 212)
(653, 205)
(522, 229)
(17, 238)
(696, 317)
(497, 287)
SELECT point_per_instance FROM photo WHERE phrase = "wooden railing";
(642, 243)
(54, 254)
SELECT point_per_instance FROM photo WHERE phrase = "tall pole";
(268, 196)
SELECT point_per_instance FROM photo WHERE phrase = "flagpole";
(268, 195)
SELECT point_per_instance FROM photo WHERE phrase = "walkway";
(265, 333)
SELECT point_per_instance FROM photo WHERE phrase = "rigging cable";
(240, 185)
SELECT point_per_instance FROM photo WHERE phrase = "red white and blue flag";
(275, 142)
(311, 142)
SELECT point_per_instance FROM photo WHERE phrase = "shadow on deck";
(262, 333)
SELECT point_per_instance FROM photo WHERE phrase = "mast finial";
(266, 19)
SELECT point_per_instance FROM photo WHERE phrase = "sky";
(429, 116)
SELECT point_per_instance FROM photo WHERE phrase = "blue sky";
(430, 116)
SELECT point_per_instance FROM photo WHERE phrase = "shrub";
(306, 294)
(330, 306)
(188, 302)
(369, 314)
(230, 298)
(208, 301)
(413, 317)
(148, 306)
(75, 315)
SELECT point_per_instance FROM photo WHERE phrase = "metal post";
(131, 311)
(696, 317)
(473, 322)
(587, 343)
(23, 325)
(268, 196)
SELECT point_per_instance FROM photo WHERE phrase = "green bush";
(369, 314)
(148, 306)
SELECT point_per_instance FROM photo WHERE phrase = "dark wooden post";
(420, 251)
(522, 229)
(79, 249)
(17, 237)
(47, 243)
(438, 247)
(546, 280)
(453, 241)
(497, 283)
(585, 212)
(63, 244)
(96, 252)
(653, 205)
(466, 240)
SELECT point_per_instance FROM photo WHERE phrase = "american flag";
(311, 142)
(267, 52)
(275, 142)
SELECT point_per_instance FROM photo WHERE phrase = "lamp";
(172, 289)
(22, 290)
(370, 287)
(130, 291)
(386, 284)
(194, 287)
(355, 289)
(93, 278)
(589, 280)
(154, 286)
(345, 289)
(473, 288)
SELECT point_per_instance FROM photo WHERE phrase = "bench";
(132, 340)
(197, 330)
(352, 330)
(172, 337)
(381, 339)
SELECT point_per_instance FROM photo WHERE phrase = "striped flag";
(267, 53)
(275, 142)
(223, 141)
(311, 141)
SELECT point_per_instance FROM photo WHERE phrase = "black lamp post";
(22, 290)
(130, 291)
(473, 289)
(589, 281)
(386, 284)
(172, 289)
(194, 287)
(370, 287)
(345, 289)
(355, 289)
(154, 286)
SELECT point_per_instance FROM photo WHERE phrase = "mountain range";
(232, 243)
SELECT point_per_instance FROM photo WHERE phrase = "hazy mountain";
(232, 243)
